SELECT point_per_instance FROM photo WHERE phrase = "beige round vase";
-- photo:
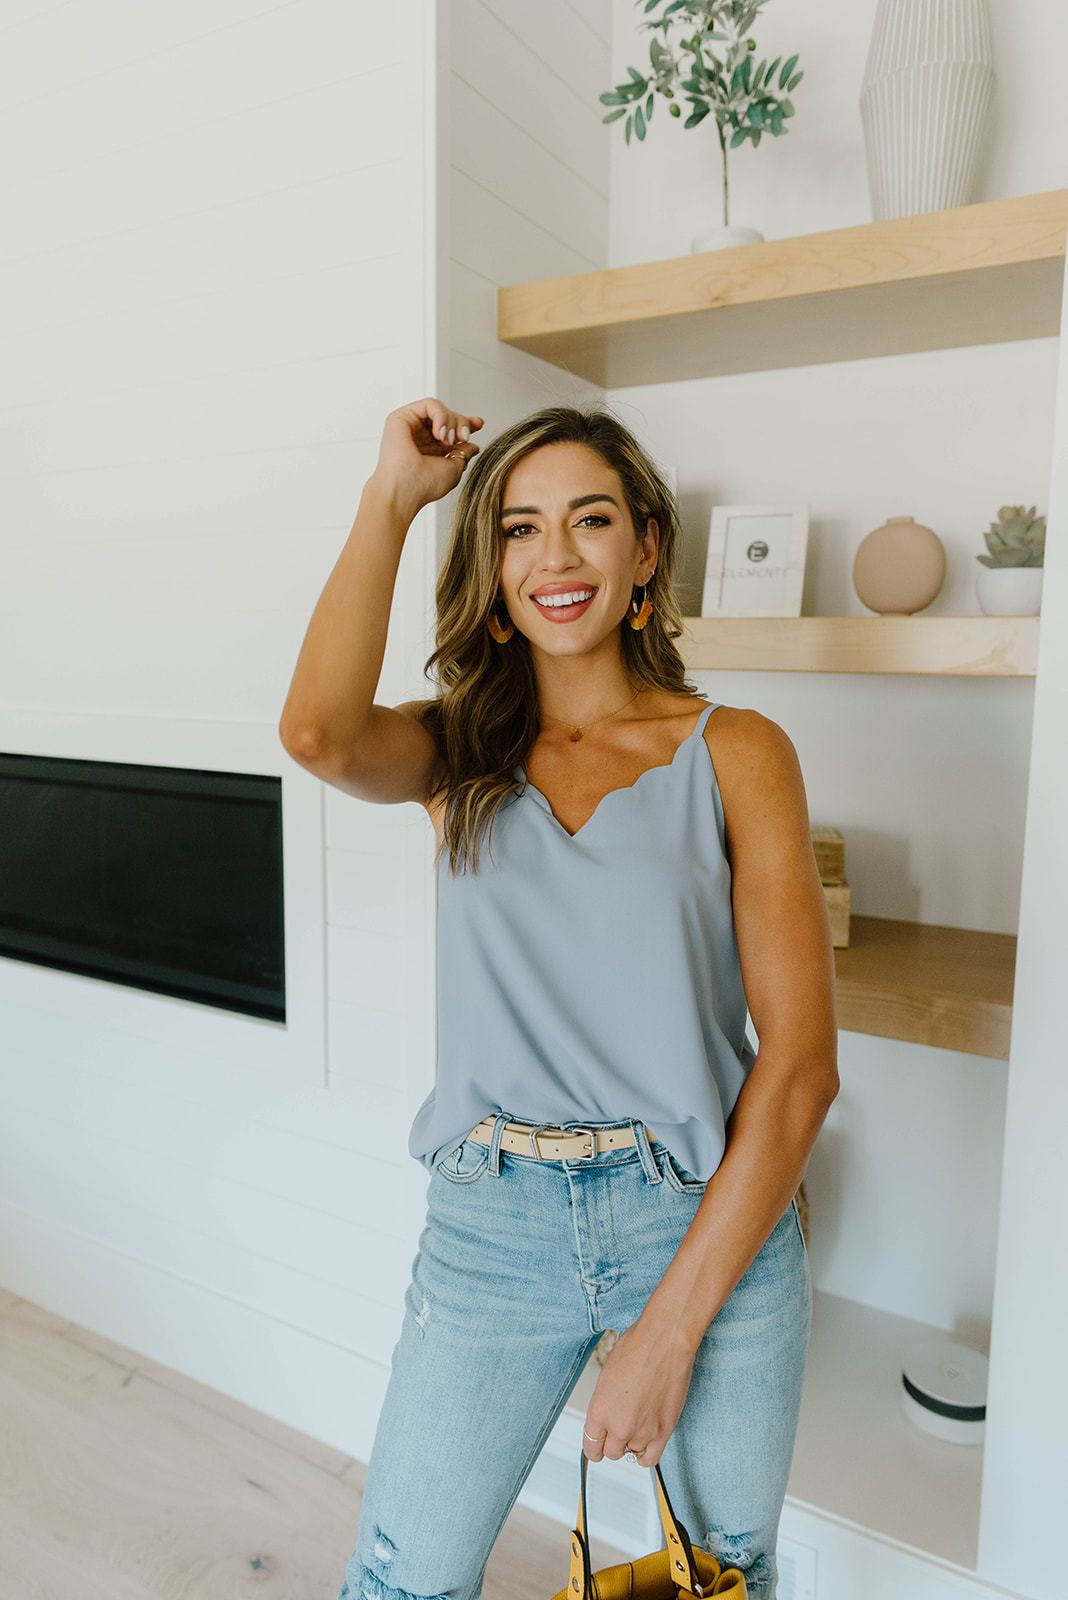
(899, 568)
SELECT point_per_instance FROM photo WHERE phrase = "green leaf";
(771, 69)
(794, 81)
(639, 123)
(788, 67)
(757, 74)
(698, 114)
(637, 76)
(629, 124)
(745, 73)
(611, 98)
(756, 115)
(776, 120)
(787, 108)
(756, 140)
(649, 109)
(613, 116)
(742, 133)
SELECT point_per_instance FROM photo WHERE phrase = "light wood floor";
(123, 1480)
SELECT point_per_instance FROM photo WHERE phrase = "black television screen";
(163, 878)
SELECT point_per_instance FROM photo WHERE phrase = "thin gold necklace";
(576, 728)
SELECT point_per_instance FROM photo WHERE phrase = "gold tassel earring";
(638, 616)
(502, 634)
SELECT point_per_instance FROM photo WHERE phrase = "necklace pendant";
(576, 735)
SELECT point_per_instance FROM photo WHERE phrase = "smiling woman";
(560, 526)
(605, 1147)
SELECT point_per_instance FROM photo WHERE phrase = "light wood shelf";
(979, 646)
(927, 984)
(969, 275)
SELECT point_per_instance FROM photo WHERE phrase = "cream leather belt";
(547, 1141)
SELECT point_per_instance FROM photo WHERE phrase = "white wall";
(1024, 1469)
(526, 187)
(218, 273)
(236, 237)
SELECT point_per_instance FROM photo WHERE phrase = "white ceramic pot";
(725, 238)
(1009, 591)
(927, 85)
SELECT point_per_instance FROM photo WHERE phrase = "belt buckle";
(592, 1151)
(540, 1126)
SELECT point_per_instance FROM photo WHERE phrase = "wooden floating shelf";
(981, 646)
(969, 275)
(927, 984)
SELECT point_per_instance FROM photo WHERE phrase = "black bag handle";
(683, 1566)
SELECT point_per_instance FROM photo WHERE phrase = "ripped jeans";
(521, 1266)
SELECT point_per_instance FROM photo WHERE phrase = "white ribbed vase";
(927, 84)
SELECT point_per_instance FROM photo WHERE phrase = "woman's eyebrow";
(582, 500)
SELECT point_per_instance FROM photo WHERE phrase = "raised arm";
(330, 722)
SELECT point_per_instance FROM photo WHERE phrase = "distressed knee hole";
(384, 1547)
(736, 1550)
(422, 1314)
(362, 1582)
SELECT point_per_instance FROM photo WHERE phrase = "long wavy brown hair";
(486, 718)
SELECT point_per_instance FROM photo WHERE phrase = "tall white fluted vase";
(928, 82)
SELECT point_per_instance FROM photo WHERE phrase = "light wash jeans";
(521, 1266)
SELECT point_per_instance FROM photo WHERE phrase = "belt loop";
(495, 1141)
(648, 1160)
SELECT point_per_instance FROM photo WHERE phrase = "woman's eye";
(521, 527)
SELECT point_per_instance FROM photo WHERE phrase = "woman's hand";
(425, 448)
(639, 1396)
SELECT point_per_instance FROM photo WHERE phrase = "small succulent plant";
(1016, 539)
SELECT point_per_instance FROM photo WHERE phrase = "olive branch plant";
(740, 96)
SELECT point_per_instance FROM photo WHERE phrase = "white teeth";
(553, 600)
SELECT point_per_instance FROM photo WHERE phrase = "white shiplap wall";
(218, 272)
(526, 187)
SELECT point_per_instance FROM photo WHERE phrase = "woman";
(623, 870)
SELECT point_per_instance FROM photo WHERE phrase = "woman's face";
(566, 530)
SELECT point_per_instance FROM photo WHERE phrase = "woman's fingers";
(450, 426)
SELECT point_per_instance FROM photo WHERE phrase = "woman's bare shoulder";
(752, 756)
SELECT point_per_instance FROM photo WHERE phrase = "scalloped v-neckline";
(624, 788)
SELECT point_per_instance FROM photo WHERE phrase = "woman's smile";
(564, 604)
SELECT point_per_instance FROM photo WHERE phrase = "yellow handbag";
(680, 1570)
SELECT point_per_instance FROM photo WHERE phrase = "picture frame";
(756, 561)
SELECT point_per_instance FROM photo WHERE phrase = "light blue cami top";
(594, 975)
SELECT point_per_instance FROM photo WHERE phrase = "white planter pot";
(725, 238)
(1009, 591)
(927, 85)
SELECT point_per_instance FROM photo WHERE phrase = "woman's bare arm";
(330, 723)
